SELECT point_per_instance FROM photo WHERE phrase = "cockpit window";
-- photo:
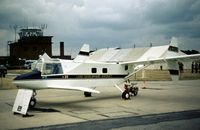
(37, 65)
(52, 68)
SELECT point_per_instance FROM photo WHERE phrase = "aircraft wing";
(150, 60)
(171, 61)
(85, 89)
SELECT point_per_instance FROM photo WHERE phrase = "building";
(30, 45)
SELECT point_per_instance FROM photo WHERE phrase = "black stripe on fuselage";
(37, 75)
(83, 76)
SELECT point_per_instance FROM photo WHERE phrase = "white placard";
(22, 101)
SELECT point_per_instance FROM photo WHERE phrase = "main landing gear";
(130, 90)
(33, 100)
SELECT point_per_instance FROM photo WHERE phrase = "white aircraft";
(86, 75)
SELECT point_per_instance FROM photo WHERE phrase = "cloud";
(114, 15)
(167, 12)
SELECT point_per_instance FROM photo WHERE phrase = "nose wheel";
(32, 103)
(125, 95)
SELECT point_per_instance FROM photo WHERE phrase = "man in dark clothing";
(192, 67)
(199, 67)
(196, 67)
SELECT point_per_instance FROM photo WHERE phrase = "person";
(196, 67)
(180, 66)
(199, 67)
(192, 67)
(127, 85)
(161, 67)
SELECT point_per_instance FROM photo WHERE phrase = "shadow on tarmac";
(128, 121)
(43, 109)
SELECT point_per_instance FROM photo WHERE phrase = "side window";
(105, 70)
(38, 66)
(94, 70)
(52, 68)
(56, 69)
(126, 67)
(47, 69)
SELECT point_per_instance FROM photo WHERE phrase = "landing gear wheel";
(32, 103)
(88, 94)
(125, 95)
(135, 93)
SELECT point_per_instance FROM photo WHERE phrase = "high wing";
(181, 58)
(84, 89)
(172, 62)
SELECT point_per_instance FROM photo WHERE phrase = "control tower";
(30, 32)
(31, 44)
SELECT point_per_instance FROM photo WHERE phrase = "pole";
(1, 80)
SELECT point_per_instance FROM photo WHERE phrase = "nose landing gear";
(33, 100)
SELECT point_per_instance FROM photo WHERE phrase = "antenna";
(15, 27)
(43, 26)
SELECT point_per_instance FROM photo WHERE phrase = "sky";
(104, 23)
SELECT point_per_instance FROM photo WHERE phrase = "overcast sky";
(105, 23)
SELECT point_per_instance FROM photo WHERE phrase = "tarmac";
(162, 105)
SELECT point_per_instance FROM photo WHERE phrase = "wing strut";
(118, 88)
(134, 72)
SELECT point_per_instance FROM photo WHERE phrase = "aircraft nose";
(31, 75)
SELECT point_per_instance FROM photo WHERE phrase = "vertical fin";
(173, 47)
(174, 42)
(83, 53)
(173, 67)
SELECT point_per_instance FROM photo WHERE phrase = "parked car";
(28, 63)
(3, 71)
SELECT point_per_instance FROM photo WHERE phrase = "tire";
(125, 95)
(135, 93)
(32, 103)
(88, 94)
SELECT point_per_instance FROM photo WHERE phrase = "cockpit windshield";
(37, 65)
(52, 68)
